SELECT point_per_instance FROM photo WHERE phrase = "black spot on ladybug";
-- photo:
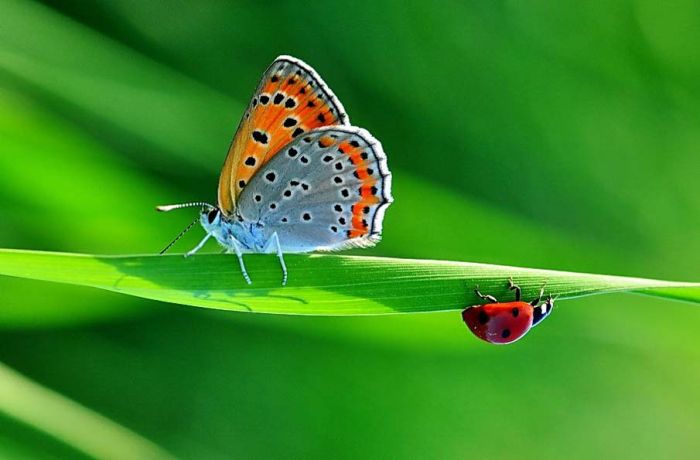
(506, 333)
(289, 122)
(278, 98)
(321, 118)
(297, 132)
(483, 317)
(260, 137)
(270, 176)
(515, 312)
(250, 161)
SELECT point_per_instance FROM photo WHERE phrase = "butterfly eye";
(211, 217)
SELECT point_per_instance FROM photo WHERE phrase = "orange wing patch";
(291, 99)
(367, 190)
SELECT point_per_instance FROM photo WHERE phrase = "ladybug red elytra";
(501, 323)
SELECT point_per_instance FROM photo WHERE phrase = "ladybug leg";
(537, 301)
(490, 298)
(514, 287)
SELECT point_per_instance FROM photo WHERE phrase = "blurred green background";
(558, 135)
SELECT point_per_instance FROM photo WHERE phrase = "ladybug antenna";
(550, 302)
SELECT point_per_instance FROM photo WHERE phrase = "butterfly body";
(247, 235)
(297, 177)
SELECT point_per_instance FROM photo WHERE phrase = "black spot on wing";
(260, 137)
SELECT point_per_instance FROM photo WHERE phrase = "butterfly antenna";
(170, 207)
(179, 236)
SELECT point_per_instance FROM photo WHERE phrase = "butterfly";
(298, 177)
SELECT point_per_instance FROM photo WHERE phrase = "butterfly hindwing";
(290, 100)
(326, 190)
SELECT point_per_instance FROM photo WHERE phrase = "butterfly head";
(216, 223)
(247, 235)
(210, 217)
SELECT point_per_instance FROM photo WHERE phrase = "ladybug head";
(541, 312)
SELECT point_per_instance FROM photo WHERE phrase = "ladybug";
(501, 323)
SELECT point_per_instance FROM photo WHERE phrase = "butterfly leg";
(199, 246)
(239, 254)
(275, 239)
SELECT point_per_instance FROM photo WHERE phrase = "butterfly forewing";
(326, 190)
(290, 101)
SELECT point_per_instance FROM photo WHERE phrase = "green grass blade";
(78, 427)
(318, 284)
